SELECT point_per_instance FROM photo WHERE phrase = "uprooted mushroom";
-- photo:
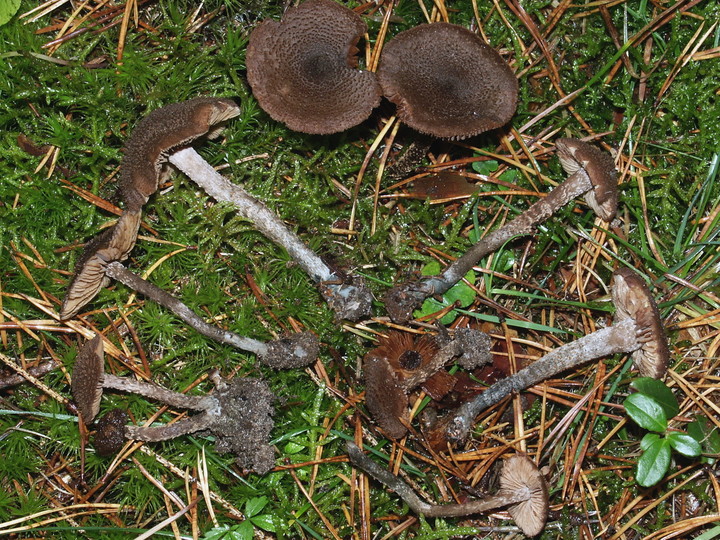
(401, 363)
(162, 138)
(237, 413)
(523, 490)
(591, 174)
(144, 167)
(638, 330)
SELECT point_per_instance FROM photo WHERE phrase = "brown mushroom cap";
(520, 475)
(303, 73)
(385, 399)
(632, 299)
(446, 81)
(575, 155)
(113, 244)
(160, 133)
(87, 378)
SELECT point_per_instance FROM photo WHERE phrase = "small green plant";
(461, 294)
(650, 407)
(245, 530)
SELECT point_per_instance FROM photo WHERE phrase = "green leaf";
(460, 292)
(8, 8)
(684, 444)
(704, 432)
(654, 463)
(264, 522)
(254, 506)
(659, 392)
(485, 167)
(646, 412)
(241, 531)
(648, 440)
(293, 448)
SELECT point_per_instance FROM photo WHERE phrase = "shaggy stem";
(348, 301)
(619, 338)
(360, 460)
(402, 300)
(118, 272)
(158, 393)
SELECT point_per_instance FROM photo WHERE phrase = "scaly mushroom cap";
(303, 73)
(575, 155)
(87, 378)
(405, 353)
(633, 300)
(161, 132)
(446, 81)
(385, 400)
(113, 244)
(520, 475)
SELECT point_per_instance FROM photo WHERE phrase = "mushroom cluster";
(445, 82)
(444, 79)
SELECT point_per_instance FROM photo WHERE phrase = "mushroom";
(114, 244)
(576, 155)
(589, 169)
(239, 416)
(446, 81)
(523, 490)
(637, 330)
(400, 364)
(238, 413)
(88, 378)
(295, 350)
(144, 166)
(303, 69)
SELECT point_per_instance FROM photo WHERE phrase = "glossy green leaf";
(461, 293)
(648, 440)
(704, 432)
(659, 392)
(254, 506)
(264, 522)
(646, 412)
(684, 444)
(654, 463)
(8, 8)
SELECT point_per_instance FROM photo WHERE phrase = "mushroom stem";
(118, 272)
(402, 300)
(406, 493)
(169, 431)
(163, 395)
(349, 301)
(619, 338)
(297, 350)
